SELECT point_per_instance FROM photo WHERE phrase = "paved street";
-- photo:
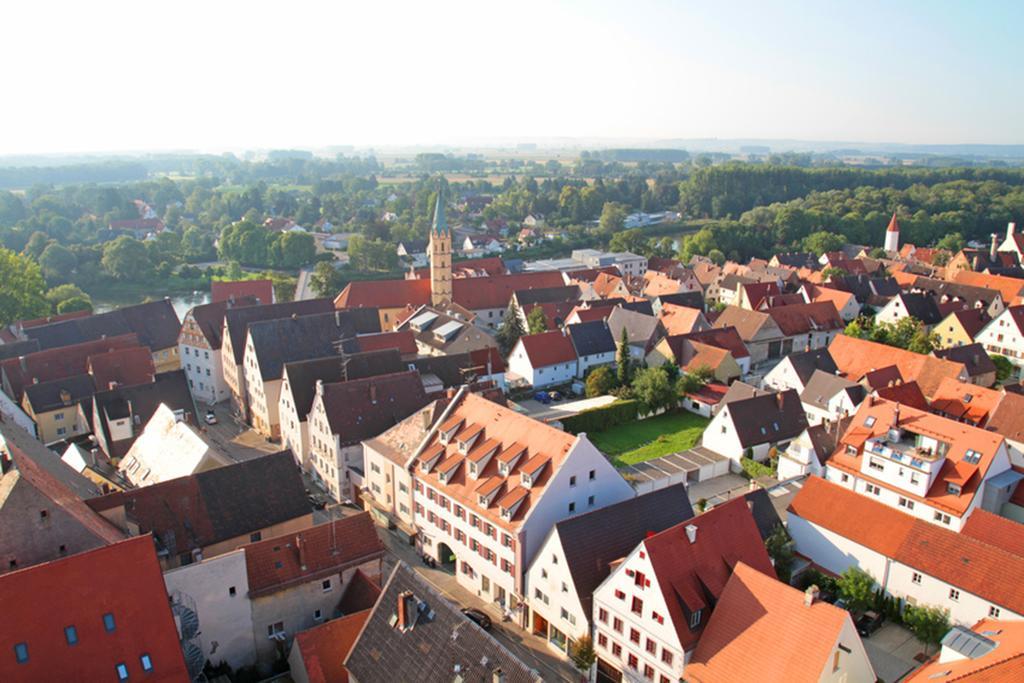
(232, 437)
(528, 648)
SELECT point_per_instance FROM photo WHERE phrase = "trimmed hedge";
(599, 419)
(754, 469)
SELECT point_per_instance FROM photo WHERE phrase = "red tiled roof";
(819, 316)
(858, 357)
(274, 564)
(761, 630)
(123, 580)
(475, 293)
(404, 341)
(263, 290)
(361, 593)
(695, 574)
(126, 367)
(325, 647)
(1009, 287)
(963, 401)
(36, 322)
(59, 363)
(894, 225)
(548, 348)
(904, 393)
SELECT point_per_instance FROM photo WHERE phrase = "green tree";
(623, 361)
(326, 280)
(613, 218)
(583, 655)
(1004, 368)
(21, 288)
(690, 382)
(653, 390)
(930, 624)
(126, 259)
(953, 242)
(37, 242)
(510, 330)
(857, 588)
(75, 303)
(297, 249)
(62, 293)
(629, 240)
(780, 548)
(57, 263)
(536, 321)
(600, 381)
(822, 241)
(716, 256)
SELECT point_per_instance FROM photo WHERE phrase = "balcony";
(903, 452)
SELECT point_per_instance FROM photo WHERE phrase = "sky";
(222, 74)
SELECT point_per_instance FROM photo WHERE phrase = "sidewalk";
(532, 650)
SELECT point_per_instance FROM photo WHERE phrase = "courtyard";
(654, 437)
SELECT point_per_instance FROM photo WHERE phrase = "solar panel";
(423, 320)
(448, 330)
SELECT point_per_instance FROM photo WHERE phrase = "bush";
(605, 417)
(753, 469)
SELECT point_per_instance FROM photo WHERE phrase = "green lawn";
(651, 438)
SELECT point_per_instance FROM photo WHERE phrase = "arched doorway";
(446, 558)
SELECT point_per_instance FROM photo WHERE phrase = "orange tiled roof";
(325, 647)
(512, 430)
(855, 358)
(1009, 287)
(761, 630)
(995, 530)
(1003, 663)
(962, 401)
(960, 437)
(681, 319)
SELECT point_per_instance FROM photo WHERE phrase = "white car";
(211, 418)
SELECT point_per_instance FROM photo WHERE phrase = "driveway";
(234, 438)
(560, 409)
(891, 650)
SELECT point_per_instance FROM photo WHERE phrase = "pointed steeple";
(440, 224)
(894, 225)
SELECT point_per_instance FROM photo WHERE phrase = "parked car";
(556, 395)
(211, 417)
(868, 623)
(542, 397)
(478, 617)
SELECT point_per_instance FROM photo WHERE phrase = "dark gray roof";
(593, 540)
(591, 338)
(956, 291)
(688, 299)
(740, 390)
(210, 318)
(640, 328)
(765, 515)
(921, 306)
(18, 348)
(824, 385)
(734, 282)
(141, 401)
(361, 409)
(806, 362)
(303, 337)
(302, 375)
(155, 323)
(543, 295)
(864, 287)
(47, 396)
(767, 419)
(973, 356)
(968, 643)
(798, 259)
(440, 642)
(453, 370)
(238, 320)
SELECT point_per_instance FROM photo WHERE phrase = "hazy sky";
(218, 74)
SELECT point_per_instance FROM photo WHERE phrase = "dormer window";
(953, 489)
(526, 479)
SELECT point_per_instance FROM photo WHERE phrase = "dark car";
(868, 623)
(478, 617)
(542, 397)
(555, 395)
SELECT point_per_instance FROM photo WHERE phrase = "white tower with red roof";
(892, 235)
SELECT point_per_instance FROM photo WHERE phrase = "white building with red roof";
(489, 484)
(651, 611)
(543, 360)
(934, 468)
(1004, 336)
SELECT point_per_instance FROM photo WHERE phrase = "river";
(182, 303)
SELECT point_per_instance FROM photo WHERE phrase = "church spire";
(440, 224)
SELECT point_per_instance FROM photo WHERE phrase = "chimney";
(995, 246)
(498, 676)
(1010, 229)
(691, 532)
(300, 546)
(404, 618)
(779, 399)
(319, 387)
(24, 363)
(295, 316)
(373, 393)
(337, 318)
(811, 595)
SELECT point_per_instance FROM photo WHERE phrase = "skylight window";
(972, 457)
(870, 421)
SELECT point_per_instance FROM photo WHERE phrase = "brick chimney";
(811, 595)
(995, 246)
(691, 532)
(404, 617)
(779, 399)
(300, 547)
(1010, 229)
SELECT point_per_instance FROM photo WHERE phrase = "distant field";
(651, 438)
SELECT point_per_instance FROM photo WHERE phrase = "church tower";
(440, 256)
(892, 235)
